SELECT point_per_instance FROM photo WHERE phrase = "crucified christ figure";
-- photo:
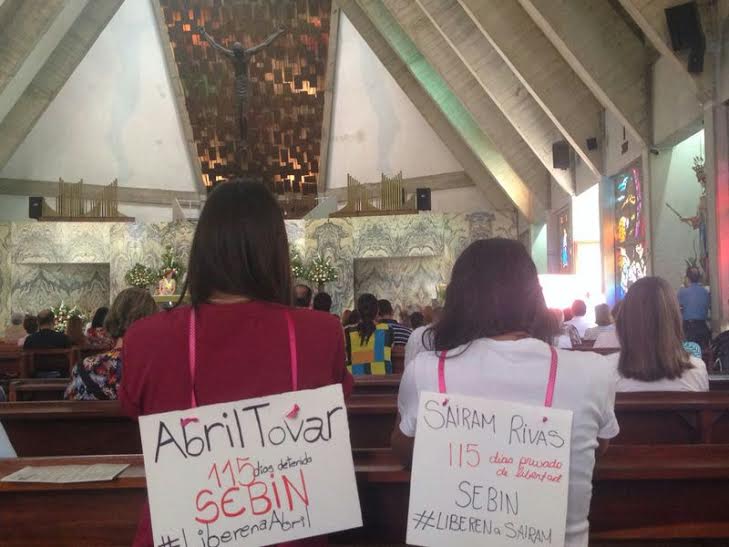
(240, 57)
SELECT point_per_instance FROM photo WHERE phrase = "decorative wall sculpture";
(286, 93)
(630, 238)
(84, 263)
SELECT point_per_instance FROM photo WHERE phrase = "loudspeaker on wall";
(423, 199)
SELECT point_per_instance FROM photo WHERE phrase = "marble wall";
(84, 263)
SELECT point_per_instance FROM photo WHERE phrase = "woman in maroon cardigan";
(240, 287)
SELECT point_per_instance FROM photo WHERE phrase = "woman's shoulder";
(158, 326)
(315, 323)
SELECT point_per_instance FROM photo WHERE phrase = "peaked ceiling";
(501, 81)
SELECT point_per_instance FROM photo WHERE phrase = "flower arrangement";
(63, 313)
(298, 270)
(140, 276)
(321, 271)
(170, 265)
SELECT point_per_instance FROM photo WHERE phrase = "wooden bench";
(39, 360)
(377, 385)
(641, 493)
(42, 389)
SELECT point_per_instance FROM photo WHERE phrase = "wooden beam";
(604, 52)
(504, 89)
(507, 141)
(442, 181)
(176, 82)
(54, 73)
(22, 24)
(540, 68)
(330, 79)
(650, 16)
(140, 196)
(440, 107)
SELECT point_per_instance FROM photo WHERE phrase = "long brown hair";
(240, 246)
(494, 290)
(130, 305)
(650, 333)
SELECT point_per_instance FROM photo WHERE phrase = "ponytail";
(367, 308)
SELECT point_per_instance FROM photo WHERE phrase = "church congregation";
(364, 272)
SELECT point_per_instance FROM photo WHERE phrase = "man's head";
(384, 309)
(16, 319)
(302, 296)
(46, 319)
(693, 274)
(238, 48)
(579, 308)
(323, 302)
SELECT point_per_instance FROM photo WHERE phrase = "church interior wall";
(677, 113)
(375, 127)
(115, 118)
(44, 262)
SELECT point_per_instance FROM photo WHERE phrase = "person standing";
(240, 338)
(694, 301)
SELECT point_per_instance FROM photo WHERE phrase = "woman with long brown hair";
(491, 343)
(240, 338)
(652, 356)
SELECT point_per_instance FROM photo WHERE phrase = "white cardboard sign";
(245, 473)
(488, 473)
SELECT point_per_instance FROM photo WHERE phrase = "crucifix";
(240, 57)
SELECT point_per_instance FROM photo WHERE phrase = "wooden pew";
(38, 360)
(67, 428)
(41, 389)
(377, 385)
(641, 493)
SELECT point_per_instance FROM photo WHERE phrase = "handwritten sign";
(253, 472)
(488, 473)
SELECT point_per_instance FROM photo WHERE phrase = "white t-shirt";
(518, 371)
(593, 332)
(607, 339)
(415, 344)
(581, 323)
(695, 379)
(6, 449)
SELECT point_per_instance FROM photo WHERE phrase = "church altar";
(402, 258)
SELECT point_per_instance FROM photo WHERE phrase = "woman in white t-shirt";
(490, 329)
(652, 356)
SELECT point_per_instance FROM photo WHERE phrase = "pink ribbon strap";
(192, 353)
(548, 397)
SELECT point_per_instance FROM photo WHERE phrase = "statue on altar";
(170, 271)
(240, 57)
(698, 221)
(167, 285)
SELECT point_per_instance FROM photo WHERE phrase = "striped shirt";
(400, 333)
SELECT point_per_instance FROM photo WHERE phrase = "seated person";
(416, 320)
(368, 344)
(488, 341)
(579, 319)
(96, 334)
(15, 330)
(97, 377)
(609, 338)
(302, 296)
(604, 323)
(567, 336)
(46, 337)
(323, 302)
(652, 356)
(30, 325)
(386, 315)
(75, 331)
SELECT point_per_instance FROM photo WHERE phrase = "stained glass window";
(630, 248)
(564, 222)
